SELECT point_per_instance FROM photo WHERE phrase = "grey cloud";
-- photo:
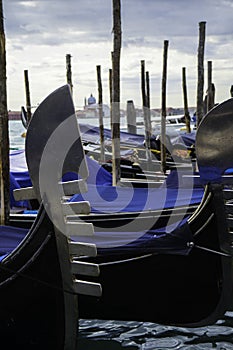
(144, 22)
(145, 25)
(52, 16)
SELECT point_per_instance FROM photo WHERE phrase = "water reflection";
(114, 335)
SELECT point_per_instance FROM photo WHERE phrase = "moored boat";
(180, 274)
(38, 288)
(175, 197)
(157, 203)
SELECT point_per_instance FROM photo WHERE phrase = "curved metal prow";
(53, 149)
(214, 142)
(54, 137)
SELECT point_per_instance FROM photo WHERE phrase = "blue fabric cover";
(183, 179)
(91, 134)
(177, 190)
(210, 174)
(10, 237)
(108, 199)
(185, 138)
(97, 174)
(105, 198)
(19, 177)
(19, 169)
(213, 174)
(170, 240)
(13, 203)
(173, 239)
(229, 171)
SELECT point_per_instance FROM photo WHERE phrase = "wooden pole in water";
(210, 91)
(28, 98)
(131, 117)
(4, 131)
(100, 109)
(209, 82)
(186, 111)
(116, 172)
(145, 114)
(164, 112)
(69, 72)
(148, 100)
(110, 93)
(200, 72)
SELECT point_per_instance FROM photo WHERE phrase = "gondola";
(178, 275)
(171, 200)
(188, 283)
(154, 204)
(133, 155)
(38, 287)
(133, 161)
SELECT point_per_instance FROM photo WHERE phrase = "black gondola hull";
(32, 297)
(191, 290)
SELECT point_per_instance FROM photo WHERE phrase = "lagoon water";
(16, 131)
(116, 335)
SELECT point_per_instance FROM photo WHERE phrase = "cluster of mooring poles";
(202, 105)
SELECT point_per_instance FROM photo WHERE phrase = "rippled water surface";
(113, 335)
(16, 133)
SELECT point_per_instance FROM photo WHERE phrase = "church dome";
(91, 100)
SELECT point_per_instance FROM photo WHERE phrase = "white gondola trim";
(77, 249)
(71, 208)
(79, 229)
(85, 268)
(25, 193)
(87, 288)
(73, 187)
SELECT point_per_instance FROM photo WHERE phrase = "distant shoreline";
(14, 115)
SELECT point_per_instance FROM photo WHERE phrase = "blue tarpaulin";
(104, 198)
(170, 240)
(108, 199)
(10, 237)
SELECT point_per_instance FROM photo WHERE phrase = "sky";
(40, 33)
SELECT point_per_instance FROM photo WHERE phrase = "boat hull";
(185, 290)
(32, 296)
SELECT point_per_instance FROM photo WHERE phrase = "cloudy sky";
(40, 33)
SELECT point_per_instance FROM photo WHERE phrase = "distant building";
(91, 100)
(91, 109)
(14, 115)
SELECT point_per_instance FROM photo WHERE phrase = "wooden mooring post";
(100, 110)
(110, 93)
(148, 101)
(115, 126)
(131, 117)
(186, 110)
(146, 115)
(211, 89)
(163, 109)
(200, 71)
(4, 132)
(28, 97)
